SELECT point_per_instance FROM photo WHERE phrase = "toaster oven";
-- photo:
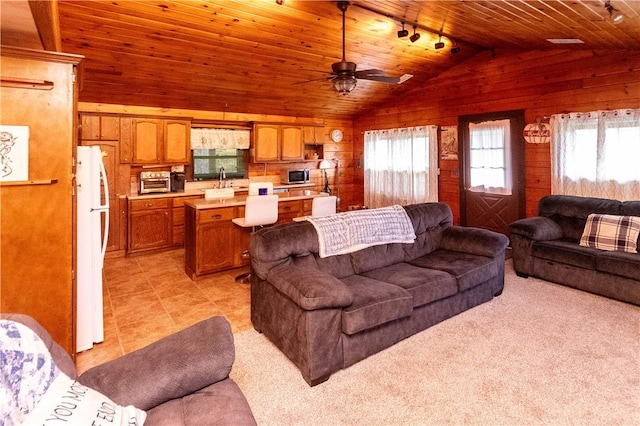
(152, 182)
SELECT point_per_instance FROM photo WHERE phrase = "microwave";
(291, 176)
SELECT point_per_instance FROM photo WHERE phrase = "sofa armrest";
(170, 368)
(472, 240)
(310, 288)
(536, 228)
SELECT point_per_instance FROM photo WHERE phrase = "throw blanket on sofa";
(351, 231)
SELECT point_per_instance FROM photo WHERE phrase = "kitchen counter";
(200, 191)
(212, 242)
(240, 200)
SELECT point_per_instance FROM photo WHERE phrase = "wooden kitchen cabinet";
(99, 127)
(211, 240)
(177, 141)
(149, 224)
(177, 221)
(277, 142)
(147, 141)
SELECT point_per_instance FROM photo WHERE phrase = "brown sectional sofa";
(328, 313)
(547, 246)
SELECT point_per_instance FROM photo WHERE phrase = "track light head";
(416, 36)
(455, 49)
(439, 44)
(403, 32)
(614, 14)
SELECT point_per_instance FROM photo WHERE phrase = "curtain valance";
(204, 138)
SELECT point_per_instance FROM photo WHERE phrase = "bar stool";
(321, 206)
(259, 210)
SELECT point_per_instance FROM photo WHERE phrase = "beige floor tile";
(147, 297)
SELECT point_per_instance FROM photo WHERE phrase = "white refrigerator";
(92, 203)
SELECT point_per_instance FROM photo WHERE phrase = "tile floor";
(149, 296)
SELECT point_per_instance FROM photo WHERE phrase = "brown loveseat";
(328, 313)
(547, 246)
(182, 379)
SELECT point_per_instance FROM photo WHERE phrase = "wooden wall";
(540, 82)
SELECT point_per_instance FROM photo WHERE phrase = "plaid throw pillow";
(612, 233)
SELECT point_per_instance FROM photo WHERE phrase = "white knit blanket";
(351, 231)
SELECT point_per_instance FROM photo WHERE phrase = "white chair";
(321, 206)
(259, 210)
(254, 187)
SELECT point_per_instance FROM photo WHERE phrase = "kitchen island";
(212, 242)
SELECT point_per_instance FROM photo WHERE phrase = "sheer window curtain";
(490, 149)
(596, 154)
(400, 166)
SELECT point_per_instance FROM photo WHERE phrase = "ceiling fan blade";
(386, 79)
(365, 73)
(312, 80)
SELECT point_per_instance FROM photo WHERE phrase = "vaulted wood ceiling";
(256, 56)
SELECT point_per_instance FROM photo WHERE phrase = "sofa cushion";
(617, 263)
(425, 285)
(374, 303)
(468, 269)
(567, 252)
(376, 257)
(611, 232)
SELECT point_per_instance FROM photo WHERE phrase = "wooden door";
(492, 207)
(177, 135)
(266, 142)
(147, 141)
(292, 148)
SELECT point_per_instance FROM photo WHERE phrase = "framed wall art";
(14, 153)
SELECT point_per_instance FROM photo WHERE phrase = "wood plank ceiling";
(259, 57)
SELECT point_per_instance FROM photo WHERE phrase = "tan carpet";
(539, 354)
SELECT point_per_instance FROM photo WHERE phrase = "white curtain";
(205, 138)
(596, 154)
(490, 150)
(400, 166)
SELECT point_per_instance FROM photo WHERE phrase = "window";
(207, 163)
(596, 154)
(400, 166)
(490, 146)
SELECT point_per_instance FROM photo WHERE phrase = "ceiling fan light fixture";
(416, 36)
(614, 14)
(344, 84)
(403, 32)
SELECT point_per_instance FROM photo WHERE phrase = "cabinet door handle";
(216, 216)
(149, 205)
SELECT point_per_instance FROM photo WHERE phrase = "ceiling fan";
(344, 74)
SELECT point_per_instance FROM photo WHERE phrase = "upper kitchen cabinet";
(146, 141)
(277, 142)
(99, 127)
(177, 141)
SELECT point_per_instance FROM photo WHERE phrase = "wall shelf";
(30, 182)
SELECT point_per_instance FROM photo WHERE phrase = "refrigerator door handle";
(104, 208)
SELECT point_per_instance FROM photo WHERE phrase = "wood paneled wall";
(540, 82)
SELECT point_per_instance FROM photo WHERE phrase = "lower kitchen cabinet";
(212, 241)
(177, 223)
(149, 224)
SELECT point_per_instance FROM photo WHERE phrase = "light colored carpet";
(539, 354)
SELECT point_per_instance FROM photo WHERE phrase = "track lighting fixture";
(280, 2)
(440, 43)
(403, 32)
(455, 49)
(415, 37)
(615, 15)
